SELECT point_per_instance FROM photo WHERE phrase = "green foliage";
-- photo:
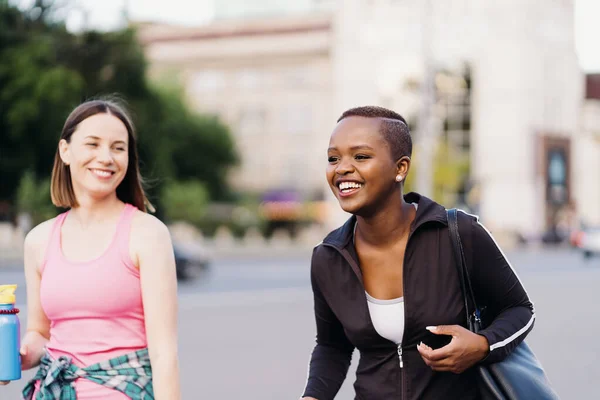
(45, 71)
(185, 201)
(237, 218)
(189, 202)
(33, 198)
(183, 145)
(449, 170)
(36, 92)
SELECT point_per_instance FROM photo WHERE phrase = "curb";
(232, 252)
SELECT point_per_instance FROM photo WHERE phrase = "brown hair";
(130, 190)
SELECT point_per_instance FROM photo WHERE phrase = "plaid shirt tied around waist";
(130, 374)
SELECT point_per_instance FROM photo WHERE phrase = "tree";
(35, 93)
(191, 156)
(45, 71)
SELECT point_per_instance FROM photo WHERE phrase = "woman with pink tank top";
(101, 282)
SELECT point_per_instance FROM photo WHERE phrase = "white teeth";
(350, 185)
(104, 174)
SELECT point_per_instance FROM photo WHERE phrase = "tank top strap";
(124, 232)
(53, 246)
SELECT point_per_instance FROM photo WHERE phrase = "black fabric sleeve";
(508, 314)
(332, 354)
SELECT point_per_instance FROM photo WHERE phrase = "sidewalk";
(253, 246)
(222, 245)
(11, 258)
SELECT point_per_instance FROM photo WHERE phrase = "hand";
(33, 348)
(464, 350)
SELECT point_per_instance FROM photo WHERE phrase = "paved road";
(246, 328)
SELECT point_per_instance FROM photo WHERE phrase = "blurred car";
(588, 240)
(190, 260)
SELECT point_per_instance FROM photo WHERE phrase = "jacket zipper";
(350, 261)
(402, 374)
(400, 355)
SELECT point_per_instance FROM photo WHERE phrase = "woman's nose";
(344, 167)
(105, 155)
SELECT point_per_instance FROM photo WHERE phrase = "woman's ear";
(402, 168)
(63, 149)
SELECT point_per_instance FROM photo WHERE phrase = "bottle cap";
(7, 294)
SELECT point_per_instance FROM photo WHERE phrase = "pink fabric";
(94, 307)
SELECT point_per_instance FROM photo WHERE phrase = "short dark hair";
(393, 128)
(131, 189)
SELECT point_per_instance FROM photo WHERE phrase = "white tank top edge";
(387, 317)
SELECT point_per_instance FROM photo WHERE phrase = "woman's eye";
(92, 144)
(121, 148)
(332, 159)
(361, 157)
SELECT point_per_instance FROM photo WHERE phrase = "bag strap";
(461, 265)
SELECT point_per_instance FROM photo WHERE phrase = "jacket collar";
(427, 211)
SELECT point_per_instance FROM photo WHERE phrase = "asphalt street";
(247, 328)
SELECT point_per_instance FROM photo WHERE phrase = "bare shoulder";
(150, 242)
(38, 237)
(36, 241)
(149, 229)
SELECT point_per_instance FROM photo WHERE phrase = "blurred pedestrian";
(386, 282)
(101, 283)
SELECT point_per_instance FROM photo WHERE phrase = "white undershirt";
(387, 317)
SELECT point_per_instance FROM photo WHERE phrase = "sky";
(587, 33)
(107, 14)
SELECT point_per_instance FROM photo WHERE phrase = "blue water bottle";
(10, 335)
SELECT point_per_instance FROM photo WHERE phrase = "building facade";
(587, 149)
(500, 81)
(269, 80)
(244, 10)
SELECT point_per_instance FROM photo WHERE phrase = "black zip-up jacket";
(432, 296)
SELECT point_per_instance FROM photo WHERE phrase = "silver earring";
(398, 178)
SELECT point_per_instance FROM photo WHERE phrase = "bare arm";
(38, 326)
(159, 295)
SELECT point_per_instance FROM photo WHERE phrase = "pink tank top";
(94, 307)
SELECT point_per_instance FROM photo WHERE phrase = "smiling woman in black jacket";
(386, 284)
